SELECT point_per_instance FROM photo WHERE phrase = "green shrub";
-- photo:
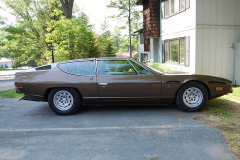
(160, 66)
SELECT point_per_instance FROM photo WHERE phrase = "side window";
(140, 69)
(85, 68)
(115, 67)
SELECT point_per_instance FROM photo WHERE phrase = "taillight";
(19, 86)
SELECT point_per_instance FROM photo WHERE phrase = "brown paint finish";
(131, 89)
(125, 87)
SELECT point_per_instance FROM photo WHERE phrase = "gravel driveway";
(30, 130)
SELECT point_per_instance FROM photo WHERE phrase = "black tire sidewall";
(179, 97)
(76, 101)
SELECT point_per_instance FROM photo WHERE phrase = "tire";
(192, 97)
(64, 101)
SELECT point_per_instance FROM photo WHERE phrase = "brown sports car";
(68, 85)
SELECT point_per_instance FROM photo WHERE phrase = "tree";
(72, 38)
(68, 7)
(106, 45)
(3, 44)
(128, 11)
(27, 39)
(109, 49)
(1, 18)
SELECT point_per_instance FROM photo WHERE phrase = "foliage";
(10, 94)
(106, 45)
(129, 14)
(16, 65)
(27, 39)
(159, 66)
(109, 49)
(72, 38)
(3, 42)
(42, 22)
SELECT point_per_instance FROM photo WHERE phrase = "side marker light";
(219, 88)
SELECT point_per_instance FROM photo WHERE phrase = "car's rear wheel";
(64, 101)
(192, 97)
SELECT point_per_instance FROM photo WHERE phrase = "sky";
(96, 10)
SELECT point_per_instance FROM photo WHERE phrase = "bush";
(159, 66)
(16, 65)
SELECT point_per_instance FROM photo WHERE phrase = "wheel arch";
(208, 90)
(49, 90)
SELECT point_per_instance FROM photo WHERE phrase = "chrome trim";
(103, 84)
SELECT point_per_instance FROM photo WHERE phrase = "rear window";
(86, 68)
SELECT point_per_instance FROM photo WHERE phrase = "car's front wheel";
(192, 97)
(64, 101)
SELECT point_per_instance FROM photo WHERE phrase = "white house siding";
(218, 27)
(154, 52)
(182, 25)
(218, 12)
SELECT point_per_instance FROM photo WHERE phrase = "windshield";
(156, 70)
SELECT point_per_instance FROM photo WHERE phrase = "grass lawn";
(224, 113)
(11, 94)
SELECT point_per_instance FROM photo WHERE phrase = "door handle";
(102, 84)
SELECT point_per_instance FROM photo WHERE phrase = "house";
(196, 36)
(6, 62)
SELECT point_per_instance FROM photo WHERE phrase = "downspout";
(160, 39)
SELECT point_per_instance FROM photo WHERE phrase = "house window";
(182, 5)
(172, 7)
(177, 51)
(144, 57)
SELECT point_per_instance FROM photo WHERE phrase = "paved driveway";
(30, 130)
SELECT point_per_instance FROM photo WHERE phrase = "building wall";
(217, 29)
(182, 25)
(218, 12)
(181, 22)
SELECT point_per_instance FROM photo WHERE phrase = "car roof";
(101, 58)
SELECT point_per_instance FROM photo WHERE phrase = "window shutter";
(187, 51)
(187, 4)
(163, 13)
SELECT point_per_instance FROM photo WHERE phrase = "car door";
(82, 76)
(119, 81)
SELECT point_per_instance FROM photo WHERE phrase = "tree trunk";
(129, 27)
(67, 6)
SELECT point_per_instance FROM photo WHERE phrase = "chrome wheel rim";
(192, 97)
(63, 100)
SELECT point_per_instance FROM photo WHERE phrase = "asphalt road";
(30, 130)
(7, 79)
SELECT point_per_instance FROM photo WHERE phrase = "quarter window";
(115, 67)
(79, 68)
